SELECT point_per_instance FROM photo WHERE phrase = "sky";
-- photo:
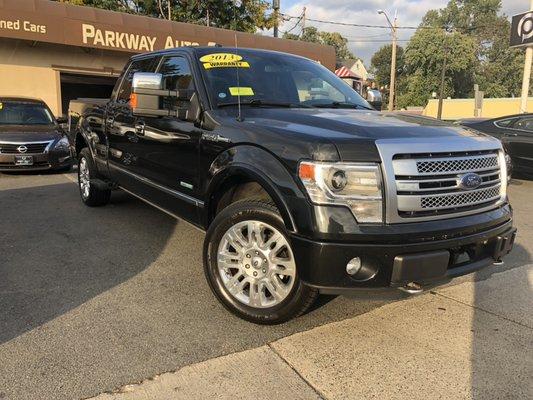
(364, 42)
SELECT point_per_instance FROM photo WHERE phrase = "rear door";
(518, 139)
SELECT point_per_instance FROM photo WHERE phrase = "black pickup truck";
(301, 186)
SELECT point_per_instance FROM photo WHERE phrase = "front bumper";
(391, 264)
(41, 161)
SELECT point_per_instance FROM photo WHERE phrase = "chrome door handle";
(139, 128)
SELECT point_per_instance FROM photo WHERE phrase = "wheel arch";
(233, 168)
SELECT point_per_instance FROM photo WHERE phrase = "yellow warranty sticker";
(218, 57)
(223, 60)
(227, 64)
(241, 91)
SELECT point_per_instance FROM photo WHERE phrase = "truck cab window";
(176, 74)
(143, 65)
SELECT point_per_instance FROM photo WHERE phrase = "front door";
(157, 157)
(120, 124)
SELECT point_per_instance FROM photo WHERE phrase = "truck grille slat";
(459, 165)
(461, 199)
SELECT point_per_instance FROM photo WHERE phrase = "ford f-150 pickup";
(301, 186)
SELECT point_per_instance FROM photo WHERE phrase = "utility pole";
(303, 22)
(169, 10)
(393, 58)
(527, 74)
(275, 6)
(443, 75)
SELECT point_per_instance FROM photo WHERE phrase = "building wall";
(33, 69)
(25, 81)
(464, 108)
(359, 69)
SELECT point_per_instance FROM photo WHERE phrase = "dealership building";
(58, 52)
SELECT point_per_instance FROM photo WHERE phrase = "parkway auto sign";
(522, 29)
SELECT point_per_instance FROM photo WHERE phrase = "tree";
(498, 70)
(247, 16)
(478, 52)
(424, 59)
(381, 63)
(335, 39)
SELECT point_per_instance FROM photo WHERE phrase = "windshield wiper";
(259, 103)
(341, 104)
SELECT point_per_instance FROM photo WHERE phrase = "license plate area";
(23, 160)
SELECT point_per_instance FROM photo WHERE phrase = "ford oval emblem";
(470, 181)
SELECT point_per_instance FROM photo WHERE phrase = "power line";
(296, 24)
(376, 41)
(447, 28)
(361, 25)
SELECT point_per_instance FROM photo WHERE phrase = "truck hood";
(353, 132)
(29, 133)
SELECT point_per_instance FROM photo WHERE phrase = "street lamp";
(393, 58)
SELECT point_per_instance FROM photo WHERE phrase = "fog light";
(353, 266)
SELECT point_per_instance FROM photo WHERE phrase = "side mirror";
(148, 98)
(374, 98)
(376, 104)
(61, 120)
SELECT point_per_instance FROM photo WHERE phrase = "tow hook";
(412, 288)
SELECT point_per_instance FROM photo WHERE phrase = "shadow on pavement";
(502, 324)
(57, 254)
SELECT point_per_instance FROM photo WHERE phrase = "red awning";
(344, 72)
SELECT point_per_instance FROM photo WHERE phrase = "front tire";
(250, 265)
(91, 195)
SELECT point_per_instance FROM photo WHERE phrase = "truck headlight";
(357, 186)
(62, 144)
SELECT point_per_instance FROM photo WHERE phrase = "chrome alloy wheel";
(256, 264)
(84, 179)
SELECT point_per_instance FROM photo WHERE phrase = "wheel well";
(80, 143)
(234, 189)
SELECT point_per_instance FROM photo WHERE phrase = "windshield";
(270, 79)
(17, 113)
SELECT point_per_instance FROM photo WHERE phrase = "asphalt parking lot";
(92, 299)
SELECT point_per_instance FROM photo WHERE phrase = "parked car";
(516, 134)
(31, 138)
(301, 186)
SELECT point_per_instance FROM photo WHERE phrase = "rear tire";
(250, 266)
(91, 195)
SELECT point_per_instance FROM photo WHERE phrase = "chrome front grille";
(430, 185)
(30, 148)
(427, 178)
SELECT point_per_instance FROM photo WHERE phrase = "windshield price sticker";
(241, 91)
(223, 60)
